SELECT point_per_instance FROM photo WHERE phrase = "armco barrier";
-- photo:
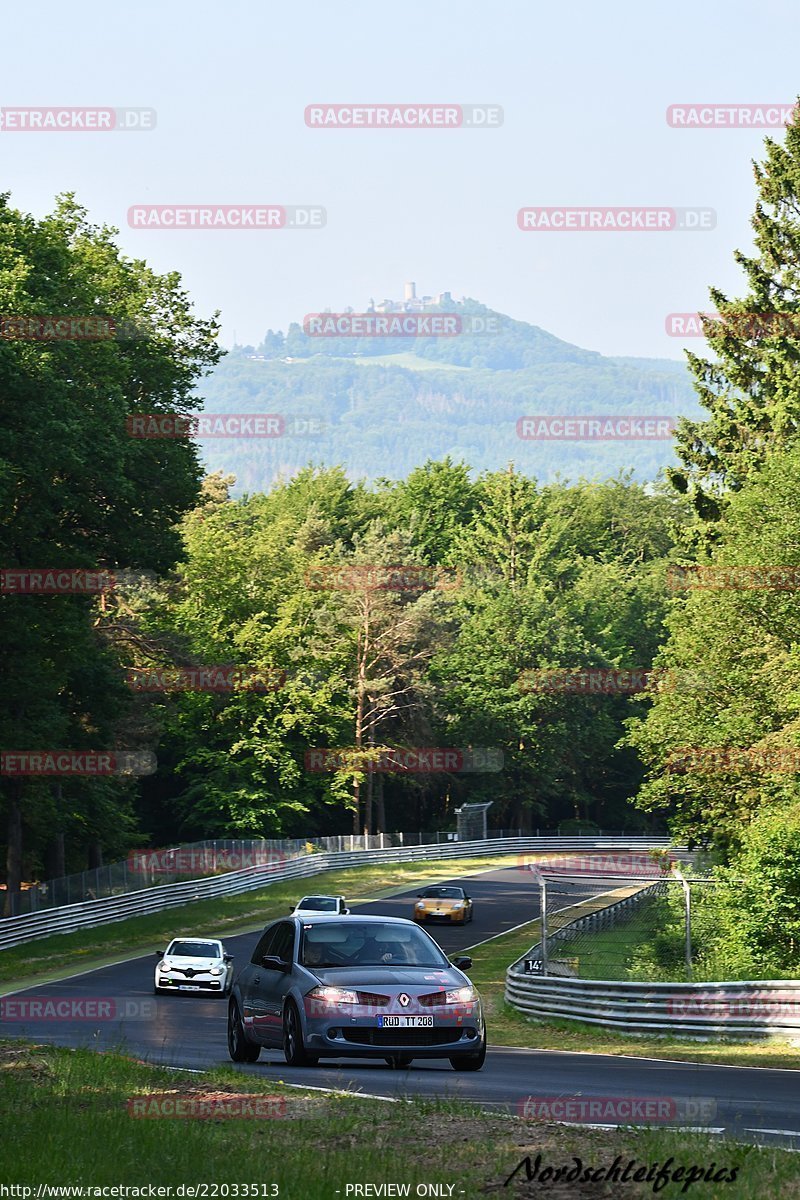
(748, 1009)
(600, 918)
(69, 918)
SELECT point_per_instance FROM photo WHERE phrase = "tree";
(750, 388)
(76, 490)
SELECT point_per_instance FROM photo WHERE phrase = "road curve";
(189, 1032)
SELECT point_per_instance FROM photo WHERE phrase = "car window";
(352, 943)
(444, 893)
(283, 945)
(265, 944)
(319, 903)
(187, 949)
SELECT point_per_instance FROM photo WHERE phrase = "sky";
(584, 90)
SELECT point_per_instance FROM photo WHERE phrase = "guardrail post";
(543, 906)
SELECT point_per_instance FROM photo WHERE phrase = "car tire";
(294, 1051)
(470, 1062)
(239, 1048)
(398, 1062)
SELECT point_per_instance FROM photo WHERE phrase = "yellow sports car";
(443, 903)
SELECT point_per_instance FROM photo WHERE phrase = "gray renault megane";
(365, 987)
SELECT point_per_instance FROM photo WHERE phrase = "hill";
(381, 406)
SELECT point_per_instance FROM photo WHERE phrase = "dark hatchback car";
(363, 987)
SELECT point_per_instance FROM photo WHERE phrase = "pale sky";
(584, 90)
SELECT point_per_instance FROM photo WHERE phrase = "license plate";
(190, 987)
(405, 1022)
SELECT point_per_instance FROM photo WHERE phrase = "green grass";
(66, 1120)
(509, 1027)
(46, 958)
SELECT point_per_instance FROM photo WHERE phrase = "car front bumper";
(179, 983)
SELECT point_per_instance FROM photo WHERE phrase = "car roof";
(328, 918)
(195, 937)
(319, 896)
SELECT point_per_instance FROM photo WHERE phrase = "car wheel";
(239, 1048)
(399, 1062)
(470, 1062)
(293, 1049)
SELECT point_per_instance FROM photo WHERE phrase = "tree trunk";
(95, 853)
(56, 859)
(381, 810)
(14, 854)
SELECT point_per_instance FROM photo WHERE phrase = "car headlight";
(420, 904)
(459, 995)
(162, 966)
(333, 995)
(217, 971)
(458, 904)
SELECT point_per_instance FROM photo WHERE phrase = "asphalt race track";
(189, 1031)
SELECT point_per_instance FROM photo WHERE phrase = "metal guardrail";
(601, 918)
(145, 868)
(748, 1009)
(90, 913)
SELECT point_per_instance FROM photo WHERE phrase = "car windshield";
(443, 893)
(373, 944)
(319, 903)
(194, 950)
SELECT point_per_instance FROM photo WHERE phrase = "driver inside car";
(372, 952)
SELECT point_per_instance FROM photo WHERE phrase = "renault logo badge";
(403, 999)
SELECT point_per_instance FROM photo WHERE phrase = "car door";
(250, 985)
(276, 983)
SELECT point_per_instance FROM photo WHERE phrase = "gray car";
(365, 987)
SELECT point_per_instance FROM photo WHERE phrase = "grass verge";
(44, 959)
(68, 1121)
(508, 1027)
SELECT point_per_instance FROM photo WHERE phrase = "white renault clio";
(194, 965)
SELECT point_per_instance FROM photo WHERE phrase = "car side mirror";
(227, 957)
(272, 963)
(291, 910)
(462, 963)
(159, 953)
(345, 912)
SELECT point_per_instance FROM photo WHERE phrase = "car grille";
(401, 1037)
(372, 998)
